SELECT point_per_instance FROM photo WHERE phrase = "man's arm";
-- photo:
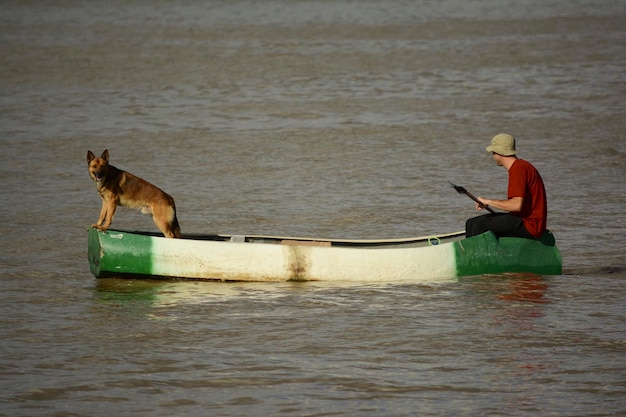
(513, 204)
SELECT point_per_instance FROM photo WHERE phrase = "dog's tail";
(175, 229)
(166, 219)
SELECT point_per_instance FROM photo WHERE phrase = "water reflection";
(526, 287)
(170, 293)
(113, 290)
(515, 301)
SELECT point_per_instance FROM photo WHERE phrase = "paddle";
(462, 190)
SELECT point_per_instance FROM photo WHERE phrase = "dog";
(121, 188)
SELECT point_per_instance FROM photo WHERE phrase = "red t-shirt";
(525, 181)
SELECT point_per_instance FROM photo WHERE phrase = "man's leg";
(477, 225)
(501, 224)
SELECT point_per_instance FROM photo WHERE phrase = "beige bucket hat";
(502, 144)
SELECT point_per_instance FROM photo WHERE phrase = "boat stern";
(487, 254)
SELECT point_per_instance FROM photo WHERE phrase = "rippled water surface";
(328, 119)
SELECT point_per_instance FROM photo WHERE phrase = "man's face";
(497, 158)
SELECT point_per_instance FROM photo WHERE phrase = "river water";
(329, 118)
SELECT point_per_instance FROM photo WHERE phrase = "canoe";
(136, 254)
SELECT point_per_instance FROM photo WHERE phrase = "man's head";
(502, 144)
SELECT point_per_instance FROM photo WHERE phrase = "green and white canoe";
(132, 254)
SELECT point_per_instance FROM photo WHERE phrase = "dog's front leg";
(103, 213)
(106, 214)
(109, 211)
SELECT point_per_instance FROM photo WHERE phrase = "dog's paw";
(100, 228)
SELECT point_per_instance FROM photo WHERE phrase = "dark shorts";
(501, 224)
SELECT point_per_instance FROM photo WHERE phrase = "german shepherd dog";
(121, 188)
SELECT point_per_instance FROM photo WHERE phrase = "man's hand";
(483, 203)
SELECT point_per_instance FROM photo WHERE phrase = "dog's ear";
(90, 156)
(105, 155)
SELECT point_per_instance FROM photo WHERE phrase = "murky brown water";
(334, 119)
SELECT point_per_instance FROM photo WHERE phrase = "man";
(526, 205)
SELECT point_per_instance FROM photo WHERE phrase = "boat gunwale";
(273, 239)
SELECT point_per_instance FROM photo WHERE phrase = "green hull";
(218, 257)
(485, 254)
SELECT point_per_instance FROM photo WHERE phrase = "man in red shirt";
(526, 205)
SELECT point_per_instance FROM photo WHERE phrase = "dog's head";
(98, 167)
